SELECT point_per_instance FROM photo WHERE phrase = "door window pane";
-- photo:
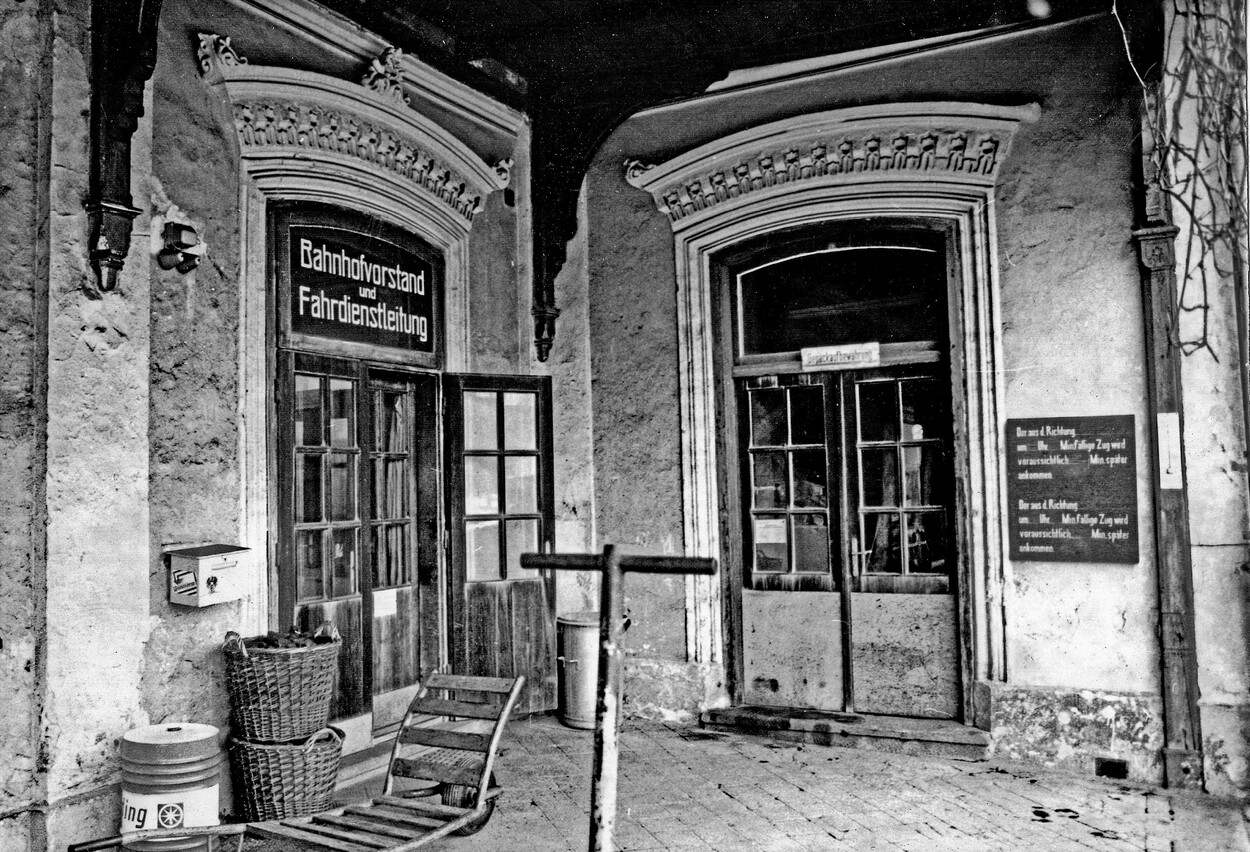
(309, 582)
(307, 411)
(521, 482)
(924, 411)
(482, 551)
(879, 476)
(926, 543)
(343, 575)
(771, 489)
(922, 475)
(481, 425)
(392, 423)
(807, 415)
(881, 547)
(342, 413)
(390, 488)
(878, 411)
(810, 475)
(481, 485)
(811, 543)
(520, 421)
(342, 487)
(390, 555)
(522, 537)
(308, 501)
(769, 536)
(768, 418)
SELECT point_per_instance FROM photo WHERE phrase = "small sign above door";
(852, 356)
(358, 288)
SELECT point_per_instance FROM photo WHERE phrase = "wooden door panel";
(349, 695)
(906, 655)
(509, 634)
(395, 640)
(792, 649)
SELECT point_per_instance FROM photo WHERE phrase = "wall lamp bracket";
(182, 248)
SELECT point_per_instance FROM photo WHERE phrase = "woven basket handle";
(332, 733)
(233, 638)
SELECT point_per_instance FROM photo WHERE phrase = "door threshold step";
(900, 734)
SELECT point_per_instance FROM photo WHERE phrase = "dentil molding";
(305, 114)
(949, 142)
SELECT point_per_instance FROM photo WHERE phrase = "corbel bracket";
(123, 58)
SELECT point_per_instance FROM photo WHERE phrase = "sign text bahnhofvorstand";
(1072, 489)
(355, 287)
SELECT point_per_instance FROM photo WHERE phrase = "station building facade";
(892, 336)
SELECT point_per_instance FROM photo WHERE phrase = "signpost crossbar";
(612, 567)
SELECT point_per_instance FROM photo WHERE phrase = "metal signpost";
(612, 567)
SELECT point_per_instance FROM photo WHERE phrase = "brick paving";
(689, 790)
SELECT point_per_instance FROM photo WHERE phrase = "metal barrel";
(577, 654)
(170, 779)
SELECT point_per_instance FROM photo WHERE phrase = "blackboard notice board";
(1072, 489)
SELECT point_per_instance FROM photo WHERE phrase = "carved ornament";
(955, 142)
(217, 50)
(385, 75)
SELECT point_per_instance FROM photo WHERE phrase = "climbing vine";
(1195, 117)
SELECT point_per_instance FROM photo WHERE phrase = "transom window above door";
(842, 283)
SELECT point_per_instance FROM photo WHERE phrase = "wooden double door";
(405, 501)
(849, 557)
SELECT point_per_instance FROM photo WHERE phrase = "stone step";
(899, 734)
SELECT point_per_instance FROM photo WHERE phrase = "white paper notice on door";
(385, 603)
(770, 531)
(853, 356)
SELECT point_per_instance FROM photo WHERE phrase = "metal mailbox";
(206, 575)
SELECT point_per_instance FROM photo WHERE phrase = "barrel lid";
(585, 618)
(173, 740)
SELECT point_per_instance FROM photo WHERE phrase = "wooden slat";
(445, 738)
(438, 680)
(422, 806)
(285, 831)
(419, 767)
(369, 824)
(463, 709)
(314, 831)
(385, 812)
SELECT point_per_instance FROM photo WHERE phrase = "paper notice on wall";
(1171, 470)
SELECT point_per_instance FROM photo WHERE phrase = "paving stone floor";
(689, 790)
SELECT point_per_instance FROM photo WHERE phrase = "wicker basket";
(278, 780)
(279, 694)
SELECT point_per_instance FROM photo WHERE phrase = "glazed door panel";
(904, 641)
(499, 498)
(403, 537)
(321, 521)
(359, 524)
(848, 600)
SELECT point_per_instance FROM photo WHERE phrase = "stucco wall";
(193, 374)
(23, 281)
(1071, 321)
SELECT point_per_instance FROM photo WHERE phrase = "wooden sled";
(439, 779)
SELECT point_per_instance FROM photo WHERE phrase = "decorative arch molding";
(943, 164)
(317, 117)
(964, 143)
